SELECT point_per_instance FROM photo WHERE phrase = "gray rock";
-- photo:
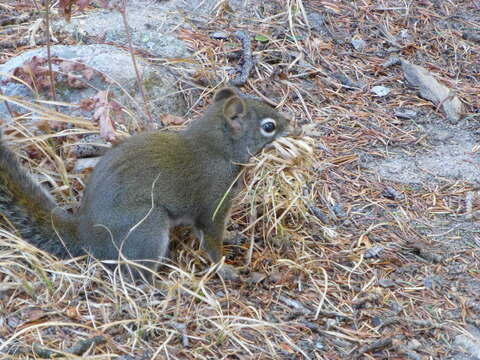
(152, 25)
(111, 63)
(469, 343)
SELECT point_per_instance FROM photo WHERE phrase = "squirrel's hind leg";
(146, 245)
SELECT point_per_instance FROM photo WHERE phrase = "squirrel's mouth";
(293, 131)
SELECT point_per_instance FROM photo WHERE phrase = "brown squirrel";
(143, 187)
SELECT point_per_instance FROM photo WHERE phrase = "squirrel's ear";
(234, 109)
(224, 93)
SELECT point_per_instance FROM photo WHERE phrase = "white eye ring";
(268, 127)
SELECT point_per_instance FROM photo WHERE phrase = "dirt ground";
(370, 249)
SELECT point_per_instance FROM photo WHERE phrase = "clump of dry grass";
(59, 303)
(276, 190)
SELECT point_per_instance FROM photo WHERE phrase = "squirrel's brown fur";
(146, 185)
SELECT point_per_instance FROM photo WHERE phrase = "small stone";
(414, 344)
(219, 35)
(256, 277)
(405, 113)
(330, 323)
(84, 164)
(275, 277)
(392, 194)
(319, 214)
(406, 36)
(380, 90)
(395, 307)
(358, 44)
(373, 252)
(339, 211)
(377, 321)
(386, 283)
(90, 146)
(317, 22)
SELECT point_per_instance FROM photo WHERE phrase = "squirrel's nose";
(297, 131)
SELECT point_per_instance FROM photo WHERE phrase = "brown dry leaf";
(88, 73)
(44, 126)
(75, 81)
(170, 119)
(66, 6)
(32, 316)
(286, 347)
(102, 115)
(432, 90)
(87, 104)
(66, 66)
(72, 312)
(82, 4)
(32, 72)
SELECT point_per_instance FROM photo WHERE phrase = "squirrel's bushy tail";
(32, 211)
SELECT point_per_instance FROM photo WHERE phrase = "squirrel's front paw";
(228, 272)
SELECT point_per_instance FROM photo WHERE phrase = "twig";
(411, 354)
(78, 349)
(247, 65)
(123, 11)
(253, 218)
(374, 346)
(49, 55)
(9, 109)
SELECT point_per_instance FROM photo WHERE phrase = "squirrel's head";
(252, 123)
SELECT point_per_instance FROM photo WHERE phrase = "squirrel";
(146, 185)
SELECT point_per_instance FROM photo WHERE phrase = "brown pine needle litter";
(338, 261)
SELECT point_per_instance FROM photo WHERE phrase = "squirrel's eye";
(267, 127)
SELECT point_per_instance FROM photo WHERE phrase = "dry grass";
(308, 220)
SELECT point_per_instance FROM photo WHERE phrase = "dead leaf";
(34, 73)
(87, 104)
(44, 126)
(432, 90)
(32, 316)
(82, 4)
(72, 312)
(287, 348)
(66, 6)
(170, 119)
(67, 66)
(75, 81)
(102, 115)
(88, 73)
